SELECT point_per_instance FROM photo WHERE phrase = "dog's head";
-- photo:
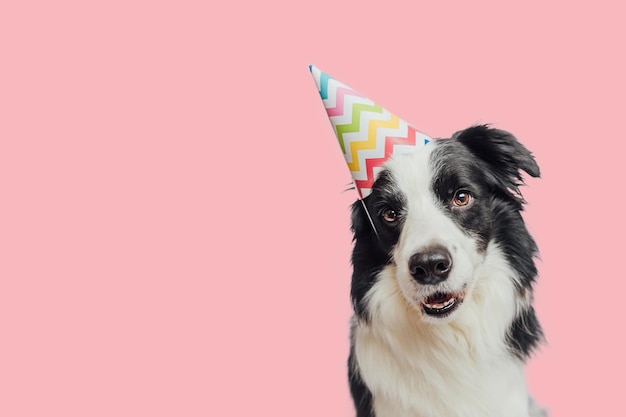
(435, 214)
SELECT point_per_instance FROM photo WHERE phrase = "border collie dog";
(443, 271)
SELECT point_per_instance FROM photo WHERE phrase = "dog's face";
(435, 213)
(430, 214)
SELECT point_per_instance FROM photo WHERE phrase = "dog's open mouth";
(441, 304)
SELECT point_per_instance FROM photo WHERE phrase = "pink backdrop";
(174, 232)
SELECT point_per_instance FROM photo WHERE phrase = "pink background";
(174, 232)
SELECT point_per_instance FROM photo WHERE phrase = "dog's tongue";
(438, 298)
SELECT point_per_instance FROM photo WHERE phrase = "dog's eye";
(462, 198)
(390, 215)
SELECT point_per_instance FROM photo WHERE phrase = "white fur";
(460, 366)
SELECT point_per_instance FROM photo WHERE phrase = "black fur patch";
(372, 248)
(503, 154)
(525, 334)
(368, 259)
(361, 395)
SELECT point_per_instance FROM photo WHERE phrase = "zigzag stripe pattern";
(367, 133)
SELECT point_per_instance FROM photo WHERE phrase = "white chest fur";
(426, 383)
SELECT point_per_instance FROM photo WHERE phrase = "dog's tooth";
(439, 306)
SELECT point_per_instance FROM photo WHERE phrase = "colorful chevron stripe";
(367, 133)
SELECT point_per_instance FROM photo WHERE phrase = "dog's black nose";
(431, 266)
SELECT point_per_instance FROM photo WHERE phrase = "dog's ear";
(361, 226)
(501, 151)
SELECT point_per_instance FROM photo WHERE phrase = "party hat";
(368, 134)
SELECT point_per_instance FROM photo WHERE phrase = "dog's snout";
(431, 266)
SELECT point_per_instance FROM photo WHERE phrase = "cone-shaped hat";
(368, 134)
